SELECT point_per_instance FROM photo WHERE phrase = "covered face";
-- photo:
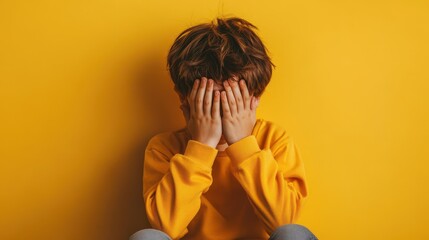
(217, 86)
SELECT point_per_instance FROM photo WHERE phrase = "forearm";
(275, 200)
(275, 196)
(173, 202)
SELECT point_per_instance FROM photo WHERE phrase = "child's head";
(220, 51)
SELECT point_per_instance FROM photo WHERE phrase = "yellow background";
(83, 86)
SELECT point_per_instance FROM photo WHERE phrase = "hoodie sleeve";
(172, 186)
(273, 178)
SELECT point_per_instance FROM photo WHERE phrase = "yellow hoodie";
(194, 191)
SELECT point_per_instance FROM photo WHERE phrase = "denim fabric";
(292, 232)
(150, 234)
(285, 232)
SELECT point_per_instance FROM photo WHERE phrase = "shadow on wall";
(156, 109)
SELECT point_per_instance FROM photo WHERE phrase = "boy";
(226, 175)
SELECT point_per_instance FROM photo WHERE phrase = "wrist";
(207, 142)
(233, 140)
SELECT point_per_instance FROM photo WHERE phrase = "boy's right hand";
(205, 123)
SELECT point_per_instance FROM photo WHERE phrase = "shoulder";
(169, 143)
(269, 133)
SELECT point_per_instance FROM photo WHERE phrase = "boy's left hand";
(239, 111)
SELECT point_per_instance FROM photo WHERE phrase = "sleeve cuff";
(242, 150)
(200, 152)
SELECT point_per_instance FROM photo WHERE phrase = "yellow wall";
(83, 86)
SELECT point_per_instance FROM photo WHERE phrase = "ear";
(181, 97)
(257, 99)
(255, 102)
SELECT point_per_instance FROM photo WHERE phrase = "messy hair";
(222, 49)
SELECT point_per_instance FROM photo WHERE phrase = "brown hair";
(220, 51)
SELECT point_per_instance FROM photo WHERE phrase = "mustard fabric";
(194, 191)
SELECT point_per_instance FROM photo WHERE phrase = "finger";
(225, 106)
(200, 96)
(216, 103)
(191, 97)
(245, 94)
(208, 98)
(237, 94)
(230, 98)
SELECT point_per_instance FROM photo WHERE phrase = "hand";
(202, 113)
(239, 111)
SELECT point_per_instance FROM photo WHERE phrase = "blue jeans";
(285, 232)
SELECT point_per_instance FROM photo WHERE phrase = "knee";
(292, 232)
(149, 234)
